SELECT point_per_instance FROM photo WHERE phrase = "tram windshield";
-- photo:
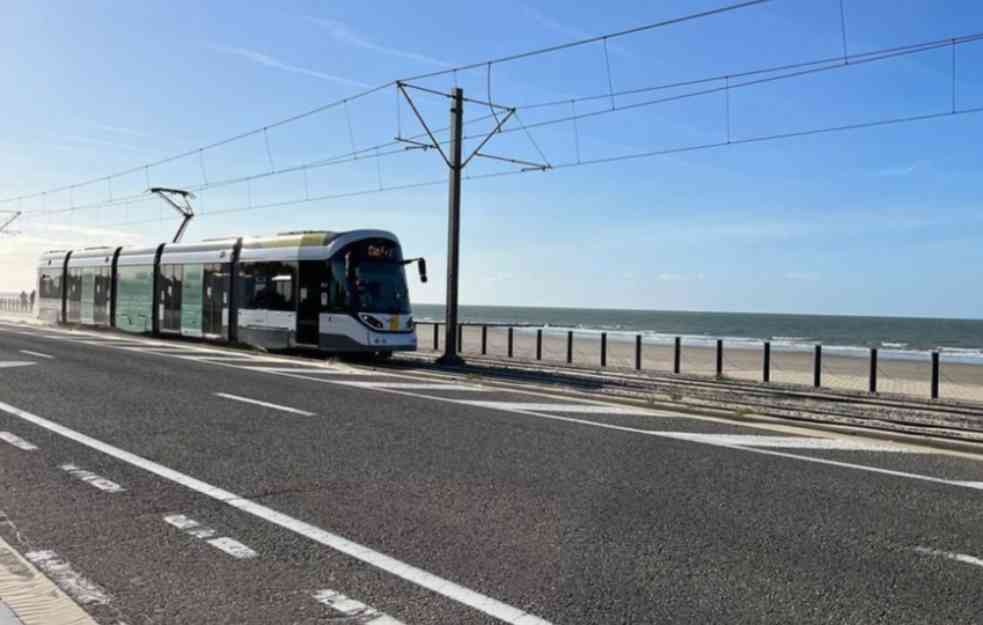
(378, 277)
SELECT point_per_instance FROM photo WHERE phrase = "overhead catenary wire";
(373, 90)
(606, 160)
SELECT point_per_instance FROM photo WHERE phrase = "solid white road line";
(66, 578)
(9, 364)
(790, 442)
(456, 592)
(308, 370)
(950, 555)
(265, 404)
(37, 354)
(621, 428)
(416, 386)
(88, 476)
(572, 408)
(355, 610)
(17, 441)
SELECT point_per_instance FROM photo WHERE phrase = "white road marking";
(37, 354)
(181, 522)
(66, 578)
(456, 592)
(418, 386)
(17, 441)
(232, 547)
(303, 370)
(9, 364)
(621, 428)
(91, 478)
(791, 442)
(266, 404)
(950, 555)
(355, 610)
(572, 408)
(193, 528)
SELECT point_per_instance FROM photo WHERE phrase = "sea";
(959, 340)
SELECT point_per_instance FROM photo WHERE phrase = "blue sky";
(876, 221)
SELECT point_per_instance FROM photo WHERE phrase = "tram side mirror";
(422, 266)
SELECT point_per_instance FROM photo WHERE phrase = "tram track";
(943, 420)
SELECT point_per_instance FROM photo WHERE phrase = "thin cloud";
(341, 33)
(895, 172)
(268, 61)
(803, 276)
(119, 130)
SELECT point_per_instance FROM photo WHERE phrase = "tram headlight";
(372, 321)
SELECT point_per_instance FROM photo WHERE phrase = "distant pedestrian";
(33, 295)
(23, 300)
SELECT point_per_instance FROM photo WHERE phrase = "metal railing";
(15, 305)
(755, 361)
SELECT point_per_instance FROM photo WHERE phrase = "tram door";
(171, 282)
(100, 301)
(215, 299)
(309, 301)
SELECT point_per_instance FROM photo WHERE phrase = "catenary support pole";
(570, 347)
(604, 349)
(539, 344)
(766, 365)
(677, 355)
(453, 226)
(817, 379)
(511, 339)
(484, 340)
(638, 352)
(873, 370)
(935, 375)
(720, 358)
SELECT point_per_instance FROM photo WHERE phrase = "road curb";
(32, 597)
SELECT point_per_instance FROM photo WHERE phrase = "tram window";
(267, 286)
(49, 286)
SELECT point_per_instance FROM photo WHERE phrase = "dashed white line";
(91, 478)
(266, 404)
(66, 578)
(8, 364)
(950, 555)
(17, 441)
(193, 528)
(481, 602)
(232, 547)
(36, 354)
(352, 609)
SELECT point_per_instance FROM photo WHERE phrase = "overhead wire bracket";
(13, 217)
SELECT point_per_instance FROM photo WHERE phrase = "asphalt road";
(148, 470)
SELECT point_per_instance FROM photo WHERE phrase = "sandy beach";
(742, 361)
